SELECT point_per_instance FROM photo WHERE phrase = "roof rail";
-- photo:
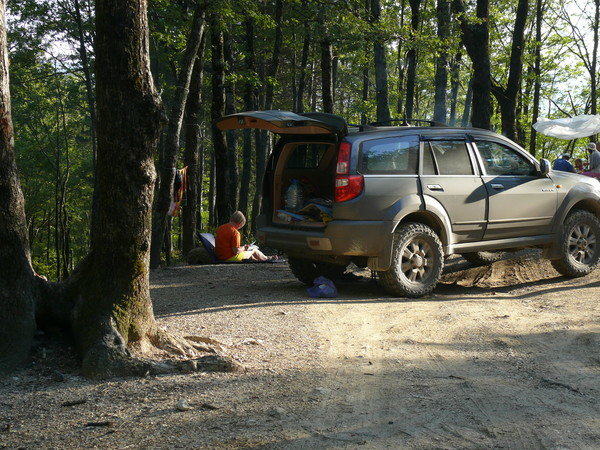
(406, 122)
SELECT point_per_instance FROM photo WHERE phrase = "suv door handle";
(497, 186)
(435, 187)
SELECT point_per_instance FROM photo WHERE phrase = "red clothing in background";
(228, 238)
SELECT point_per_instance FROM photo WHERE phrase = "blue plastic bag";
(323, 287)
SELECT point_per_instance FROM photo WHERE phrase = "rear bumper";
(372, 239)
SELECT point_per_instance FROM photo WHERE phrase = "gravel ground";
(500, 356)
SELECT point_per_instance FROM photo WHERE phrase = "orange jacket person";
(228, 242)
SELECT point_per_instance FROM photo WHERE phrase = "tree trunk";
(400, 62)
(594, 66)
(466, 117)
(381, 88)
(303, 65)
(507, 97)
(17, 285)
(171, 149)
(537, 70)
(411, 75)
(454, 85)
(441, 62)
(222, 196)
(89, 90)
(327, 74)
(191, 157)
(475, 37)
(263, 143)
(232, 159)
(248, 106)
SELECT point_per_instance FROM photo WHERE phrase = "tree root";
(109, 357)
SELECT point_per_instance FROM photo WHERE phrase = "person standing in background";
(594, 158)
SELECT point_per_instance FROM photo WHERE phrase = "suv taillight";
(347, 186)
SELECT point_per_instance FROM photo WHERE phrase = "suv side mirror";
(544, 167)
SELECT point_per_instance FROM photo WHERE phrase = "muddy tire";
(417, 262)
(483, 258)
(579, 247)
(307, 271)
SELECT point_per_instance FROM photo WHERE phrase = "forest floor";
(506, 355)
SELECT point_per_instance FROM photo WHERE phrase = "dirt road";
(501, 356)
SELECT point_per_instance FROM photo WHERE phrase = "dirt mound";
(503, 273)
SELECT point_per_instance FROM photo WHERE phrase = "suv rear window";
(390, 156)
(307, 156)
(451, 158)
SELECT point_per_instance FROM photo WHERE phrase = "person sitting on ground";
(563, 164)
(578, 165)
(594, 158)
(228, 242)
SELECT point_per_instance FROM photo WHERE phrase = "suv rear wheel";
(417, 261)
(579, 245)
(483, 258)
(306, 271)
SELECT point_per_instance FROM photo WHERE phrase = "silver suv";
(399, 199)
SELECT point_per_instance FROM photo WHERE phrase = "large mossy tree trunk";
(17, 280)
(112, 306)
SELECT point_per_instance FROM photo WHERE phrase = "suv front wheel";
(578, 245)
(417, 262)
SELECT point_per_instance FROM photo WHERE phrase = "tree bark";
(191, 157)
(475, 37)
(171, 149)
(17, 286)
(466, 117)
(507, 96)
(411, 57)
(441, 62)
(381, 75)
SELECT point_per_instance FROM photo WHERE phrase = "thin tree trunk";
(171, 149)
(89, 90)
(411, 76)
(454, 85)
(401, 63)
(263, 145)
(232, 159)
(248, 106)
(303, 65)
(381, 88)
(537, 71)
(222, 196)
(475, 37)
(327, 74)
(466, 117)
(507, 96)
(441, 62)
(191, 157)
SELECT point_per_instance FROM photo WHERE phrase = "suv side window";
(501, 160)
(446, 158)
(398, 155)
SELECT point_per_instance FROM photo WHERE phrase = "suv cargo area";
(311, 166)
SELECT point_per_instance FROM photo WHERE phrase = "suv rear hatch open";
(305, 156)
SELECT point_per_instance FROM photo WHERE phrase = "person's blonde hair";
(238, 217)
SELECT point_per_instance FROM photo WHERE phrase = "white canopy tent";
(569, 128)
